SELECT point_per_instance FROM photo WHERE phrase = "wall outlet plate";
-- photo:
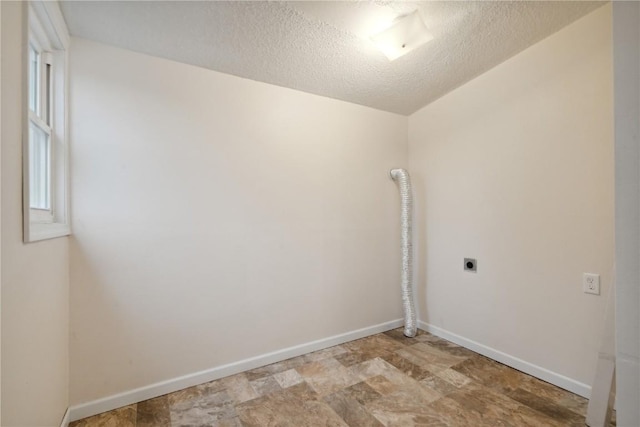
(591, 283)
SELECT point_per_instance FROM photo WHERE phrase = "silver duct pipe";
(406, 207)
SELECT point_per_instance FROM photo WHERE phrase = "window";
(45, 145)
(40, 132)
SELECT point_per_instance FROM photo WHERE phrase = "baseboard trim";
(109, 403)
(65, 419)
(544, 374)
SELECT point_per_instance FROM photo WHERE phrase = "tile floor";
(382, 380)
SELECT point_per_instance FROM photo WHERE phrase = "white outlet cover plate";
(591, 283)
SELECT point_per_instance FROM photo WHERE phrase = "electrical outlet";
(591, 283)
(470, 264)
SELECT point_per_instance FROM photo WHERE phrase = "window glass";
(39, 168)
(34, 80)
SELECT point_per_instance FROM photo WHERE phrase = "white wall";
(626, 36)
(217, 218)
(0, 214)
(515, 168)
(35, 277)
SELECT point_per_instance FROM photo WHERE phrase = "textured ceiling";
(322, 47)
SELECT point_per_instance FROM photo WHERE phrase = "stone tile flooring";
(382, 380)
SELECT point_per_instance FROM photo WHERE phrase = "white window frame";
(47, 33)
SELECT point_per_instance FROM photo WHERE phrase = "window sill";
(53, 230)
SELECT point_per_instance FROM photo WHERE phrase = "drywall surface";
(626, 37)
(515, 169)
(35, 277)
(0, 220)
(217, 218)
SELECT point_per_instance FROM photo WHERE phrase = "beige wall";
(515, 168)
(626, 36)
(257, 218)
(217, 218)
(1, 118)
(35, 277)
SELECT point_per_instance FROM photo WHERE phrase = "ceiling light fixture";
(404, 35)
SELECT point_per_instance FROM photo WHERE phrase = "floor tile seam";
(325, 398)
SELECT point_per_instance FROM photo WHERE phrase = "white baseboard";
(65, 419)
(169, 386)
(554, 378)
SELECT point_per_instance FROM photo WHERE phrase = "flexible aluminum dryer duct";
(406, 207)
